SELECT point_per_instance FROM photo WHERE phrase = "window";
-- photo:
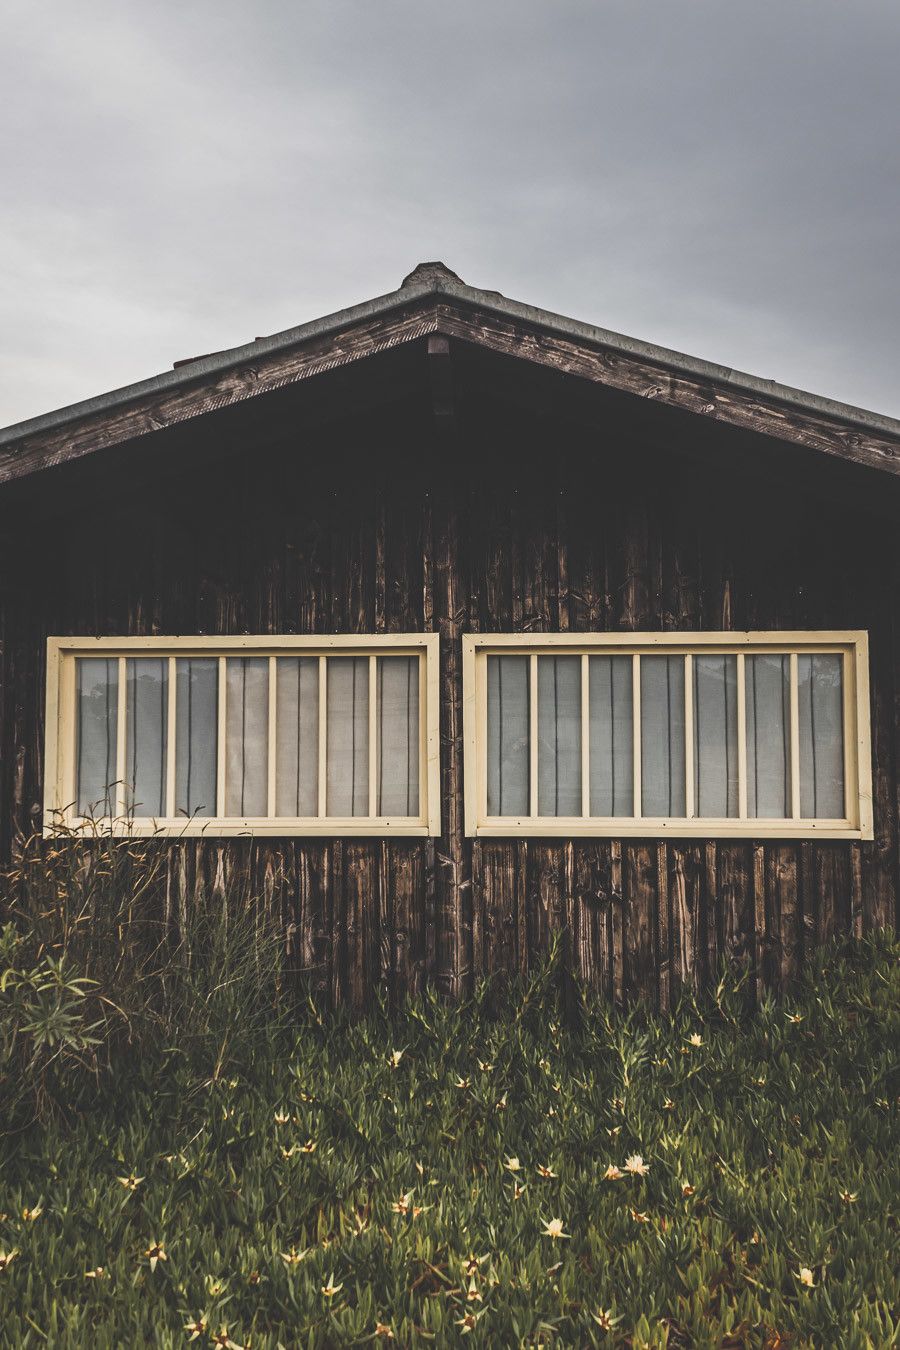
(703, 734)
(226, 736)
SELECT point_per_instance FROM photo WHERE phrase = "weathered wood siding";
(498, 525)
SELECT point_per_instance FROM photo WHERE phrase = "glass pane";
(398, 735)
(246, 735)
(662, 736)
(767, 682)
(297, 755)
(97, 690)
(146, 714)
(559, 736)
(196, 722)
(347, 765)
(715, 736)
(611, 736)
(820, 709)
(507, 736)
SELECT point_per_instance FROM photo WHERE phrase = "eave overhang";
(433, 300)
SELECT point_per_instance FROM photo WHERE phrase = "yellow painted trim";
(853, 644)
(864, 738)
(53, 785)
(471, 702)
(59, 767)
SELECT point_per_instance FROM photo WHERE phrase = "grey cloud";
(723, 178)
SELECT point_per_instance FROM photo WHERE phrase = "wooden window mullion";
(689, 808)
(741, 735)
(636, 733)
(271, 760)
(795, 736)
(121, 716)
(585, 738)
(171, 728)
(372, 736)
(323, 738)
(533, 735)
(220, 735)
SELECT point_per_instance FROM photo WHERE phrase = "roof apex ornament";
(430, 273)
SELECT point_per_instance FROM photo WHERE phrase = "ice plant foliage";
(263, 1195)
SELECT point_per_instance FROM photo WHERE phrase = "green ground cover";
(492, 1174)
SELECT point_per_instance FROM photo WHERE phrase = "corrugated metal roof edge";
(444, 283)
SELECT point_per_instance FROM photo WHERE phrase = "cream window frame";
(59, 756)
(852, 645)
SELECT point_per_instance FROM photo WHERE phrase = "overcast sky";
(719, 176)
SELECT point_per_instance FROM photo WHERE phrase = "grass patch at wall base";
(484, 1174)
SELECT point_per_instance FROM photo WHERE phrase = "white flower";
(553, 1228)
(636, 1165)
(293, 1257)
(513, 1165)
(605, 1320)
(805, 1276)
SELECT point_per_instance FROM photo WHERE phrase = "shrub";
(94, 972)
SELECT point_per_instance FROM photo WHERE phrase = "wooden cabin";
(450, 625)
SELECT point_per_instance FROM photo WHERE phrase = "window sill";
(575, 827)
(262, 828)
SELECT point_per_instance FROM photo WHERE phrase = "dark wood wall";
(502, 522)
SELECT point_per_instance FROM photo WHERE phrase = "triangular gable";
(433, 300)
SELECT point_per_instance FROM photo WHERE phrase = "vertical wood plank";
(760, 930)
(856, 892)
(640, 882)
(452, 856)
(618, 920)
(663, 952)
(736, 903)
(783, 895)
(687, 952)
(711, 915)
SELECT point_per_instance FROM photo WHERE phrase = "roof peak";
(430, 273)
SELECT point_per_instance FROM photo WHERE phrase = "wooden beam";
(720, 401)
(440, 377)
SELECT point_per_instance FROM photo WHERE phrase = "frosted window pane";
(507, 736)
(97, 697)
(196, 720)
(347, 765)
(662, 736)
(146, 714)
(715, 736)
(297, 756)
(611, 736)
(820, 709)
(246, 735)
(768, 698)
(398, 735)
(559, 736)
